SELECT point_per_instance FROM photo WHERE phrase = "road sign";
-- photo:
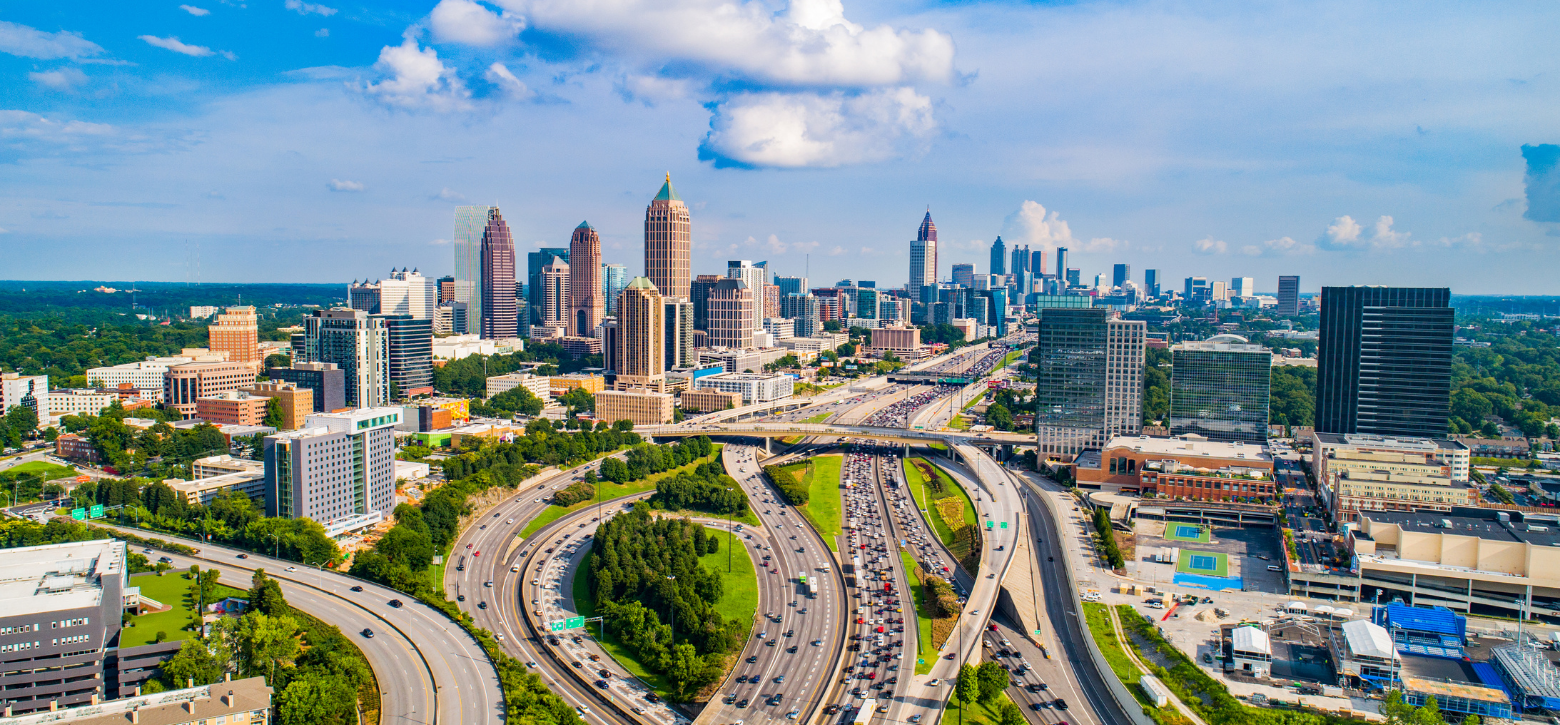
(558, 625)
(96, 512)
(83, 479)
(78, 514)
(989, 524)
(1004, 524)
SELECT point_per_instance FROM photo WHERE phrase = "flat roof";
(56, 577)
(1533, 530)
(1406, 443)
(164, 708)
(1463, 690)
(1182, 446)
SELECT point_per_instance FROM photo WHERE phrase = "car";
(883, 707)
(605, 675)
(1060, 704)
(652, 697)
(531, 664)
(489, 584)
(165, 560)
(915, 718)
(740, 703)
(581, 709)
(792, 715)
(780, 679)
(510, 521)
(578, 665)
(752, 659)
(481, 605)
(357, 587)
(460, 597)
(243, 556)
(367, 633)
(499, 636)
(832, 709)
(396, 603)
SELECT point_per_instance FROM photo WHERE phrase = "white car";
(292, 568)
(934, 683)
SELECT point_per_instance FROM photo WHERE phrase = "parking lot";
(1250, 551)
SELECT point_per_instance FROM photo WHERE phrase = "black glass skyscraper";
(998, 257)
(1384, 361)
(534, 262)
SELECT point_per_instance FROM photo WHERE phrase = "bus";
(865, 712)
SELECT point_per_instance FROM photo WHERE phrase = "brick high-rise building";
(498, 279)
(772, 301)
(237, 333)
(585, 291)
(641, 337)
(668, 243)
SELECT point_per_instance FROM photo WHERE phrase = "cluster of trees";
(946, 334)
(400, 559)
(939, 599)
(985, 684)
(543, 445)
(18, 424)
(644, 460)
(507, 404)
(1156, 386)
(999, 417)
(1292, 396)
(26, 532)
(644, 569)
(160, 451)
(582, 491)
(468, 375)
(707, 488)
(790, 486)
(1107, 538)
(1515, 381)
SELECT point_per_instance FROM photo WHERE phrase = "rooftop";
(1463, 690)
(1422, 619)
(1536, 529)
(1251, 639)
(1191, 446)
(1368, 640)
(56, 577)
(208, 703)
(1365, 440)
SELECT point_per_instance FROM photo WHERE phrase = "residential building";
(358, 343)
(87, 401)
(327, 382)
(611, 344)
(1186, 467)
(641, 333)
(339, 466)
(756, 277)
(923, 258)
(804, 310)
(410, 342)
(1090, 386)
(904, 342)
(63, 604)
(1360, 480)
(71, 446)
(236, 333)
(201, 312)
(586, 305)
(452, 318)
(1288, 296)
(708, 400)
(232, 407)
(402, 293)
(531, 291)
(559, 385)
(701, 287)
(539, 385)
(553, 295)
(641, 407)
(1219, 389)
(998, 257)
(790, 286)
(499, 318)
(446, 288)
(668, 243)
(1384, 361)
(780, 328)
(233, 702)
(964, 275)
(184, 384)
(614, 277)
(754, 387)
(732, 314)
(296, 403)
(470, 224)
(772, 300)
(146, 376)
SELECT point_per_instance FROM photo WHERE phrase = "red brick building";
(1186, 467)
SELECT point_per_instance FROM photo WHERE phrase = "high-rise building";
(1120, 274)
(237, 334)
(1243, 287)
(1151, 283)
(804, 310)
(328, 382)
(498, 280)
(790, 286)
(1218, 291)
(1090, 379)
(866, 303)
(1219, 389)
(677, 316)
(668, 243)
(585, 291)
(1061, 262)
(534, 261)
(964, 275)
(338, 467)
(614, 277)
(78, 589)
(1197, 291)
(998, 257)
(470, 223)
(410, 347)
(452, 318)
(1288, 296)
(731, 314)
(923, 258)
(1384, 361)
(641, 336)
(699, 292)
(756, 277)
(1074, 276)
(359, 345)
(402, 293)
(771, 301)
(1036, 263)
(553, 293)
(446, 289)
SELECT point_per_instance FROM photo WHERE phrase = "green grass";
(436, 571)
(976, 713)
(959, 422)
(740, 598)
(173, 590)
(1221, 564)
(974, 401)
(819, 418)
(50, 471)
(1105, 638)
(1172, 532)
(823, 497)
(611, 491)
(915, 481)
(1008, 360)
(1477, 461)
(926, 656)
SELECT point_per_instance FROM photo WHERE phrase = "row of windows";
(72, 639)
(70, 622)
(19, 628)
(17, 647)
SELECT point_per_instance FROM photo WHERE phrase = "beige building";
(237, 333)
(641, 355)
(224, 464)
(232, 702)
(539, 385)
(1327, 447)
(233, 407)
(184, 384)
(732, 315)
(555, 295)
(1360, 480)
(668, 243)
(709, 400)
(80, 402)
(586, 304)
(904, 342)
(205, 490)
(638, 406)
(297, 403)
(561, 384)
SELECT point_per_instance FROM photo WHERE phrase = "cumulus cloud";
(471, 23)
(1343, 232)
(1209, 245)
(836, 251)
(651, 89)
(1278, 247)
(418, 79)
(343, 185)
(26, 42)
(1032, 225)
(303, 8)
(1346, 234)
(800, 130)
(809, 43)
(172, 43)
(446, 194)
(1543, 182)
(439, 242)
(197, 12)
(62, 79)
(498, 74)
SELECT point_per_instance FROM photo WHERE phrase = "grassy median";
(610, 490)
(926, 653)
(821, 475)
(945, 507)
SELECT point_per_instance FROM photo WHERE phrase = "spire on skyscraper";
(928, 232)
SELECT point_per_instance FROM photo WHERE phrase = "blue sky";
(282, 140)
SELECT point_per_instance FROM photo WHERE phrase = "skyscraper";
(409, 344)
(555, 293)
(677, 317)
(1151, 283)
(1243, 287)
(641, 337)
(700, 295)
(732, 312)
(964, 274)
(1036, 264)
(614, 277)
(1384, 361)
(534, 262)
(498, 279)
(998, 257)
(755, 277)
(668, 243)
(1021, 261)
(237, 334)
(470, 222)
(790, 286)
(585, 292)
(1090, 379)
(1219, 389)
(402, 293)
(446, 289)
(1288, 296)
(359, 345)
(1061, 262)
(1120, 274)
(923, 258)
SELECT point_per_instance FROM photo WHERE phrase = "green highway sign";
(78, 514)
(96, 512)
(558, 625)
(989, 524)
(1004, 524)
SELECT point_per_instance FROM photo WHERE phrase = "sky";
(293, 141)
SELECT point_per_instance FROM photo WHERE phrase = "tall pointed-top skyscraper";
(923, 258)
(998, 257)
(585, 302)
(498, 279)
(668, 243)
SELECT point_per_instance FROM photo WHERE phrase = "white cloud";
(322, 33)
(447, 194)
(230, 55)
(303, 8)
(651, 90)
(498, 74)
(342, 185)
(800, 130)
(197, 12)
(1278, 247)
(1034, 226)
(1106, 244)
(836, 251)
(419, 79)
(1209, 245)
(468, 22)
(1343, 232)
(439, 242)
(27, 42)
(1386, 237)
(62, 79)
(1346, 234)
(173, 44)
(809, 43)
(1471, 240)
(4, 231)
(26, 134)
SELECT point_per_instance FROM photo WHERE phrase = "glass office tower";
(1219, 389)
(1090, 379)
(1384, 361)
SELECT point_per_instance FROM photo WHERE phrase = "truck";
(864, 713)
(812, 588)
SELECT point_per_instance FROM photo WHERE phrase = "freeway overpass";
(786, 430)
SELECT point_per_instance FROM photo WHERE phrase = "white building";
(224, 464)
(456, 347)
(203, 311)
(780, 327)
(1364, 650)
(88, 401)
(337, 467)
(539, 385)
(145, 376)
(28, 391)
(754, 387)
(1252, 651)
(404, 293)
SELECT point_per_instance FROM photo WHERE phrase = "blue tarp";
(1437, 620)
(1215, 583)
(1491, 678)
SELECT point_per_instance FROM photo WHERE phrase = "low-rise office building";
(539, 385)
(1187, 467)
(1361, 480)
(1326, 447)
(296, 402)
(558, 385)
(146, 376)
(231, 702)
(185, 384)
(205, 490)
(753, 387)
(743, 360)
(338, 466)
(708, 400)
(73, 447)
(638, 407)
(233, 407)
(904, 342)
(85, 401)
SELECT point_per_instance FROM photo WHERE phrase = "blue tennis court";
(1188, 532)
(1204, 563)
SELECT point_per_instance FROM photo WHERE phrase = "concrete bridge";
(785, 430)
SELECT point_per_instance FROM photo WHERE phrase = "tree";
(999, 417)
(193, 661)
(265, 595)
(317, 700)
(264, 641)
(966, 688)
(992, 680)
(578, 400)
(1010, 715)
(890, 357)
(273, 413)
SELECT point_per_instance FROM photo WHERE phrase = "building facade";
(923, 258)
(63, 607)
(410, 342)
(184, 384)
(586, 306)
(338, 466)
(732, 314)
(1384, 361)
(756, 276)
(145, 376)
(668, 243)
(1219, 389)
(296, 403)
(327, 381)
(470, 222)
(641, 407)
(499, 314)
(641, 337)
(234, 407)
(999, 257)
(553, 295)
(1288, 296)
(1186, 468)
(359, 345)
(677, 317)
(753, 387)
(1090, 386)
(237, 333)
(614, 277)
